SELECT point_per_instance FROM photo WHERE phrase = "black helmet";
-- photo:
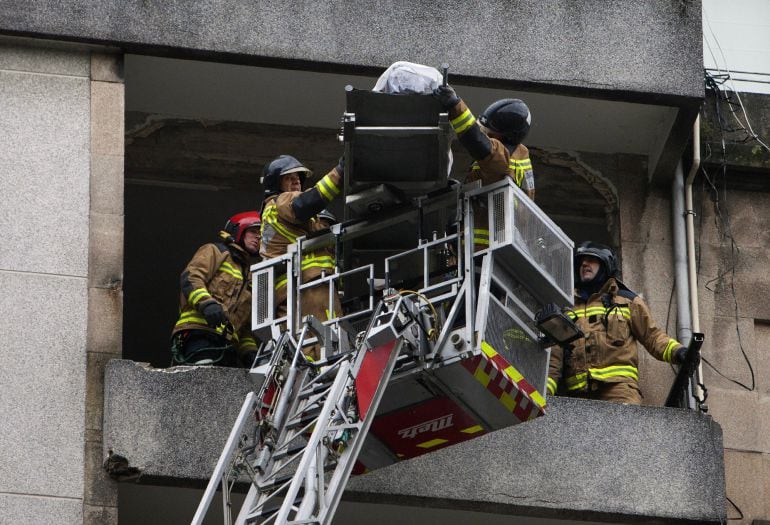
(510, 117)
(602, 252)
(277, 168)
(327, 216)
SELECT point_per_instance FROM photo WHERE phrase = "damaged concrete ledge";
(583, 461)
(168, 425)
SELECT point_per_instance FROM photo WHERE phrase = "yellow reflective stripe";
(472, 430)
(328, 189)
(615, 371)
(537, 398)
(508, 402)
(625, 311)
(513, 374)
(481, 376)
(516, 334)
(576, 382)
(519, 168)
(231, 270)
(518, 177)
(480, 236)
(433, 443)
(464, 121)
(196, 296)
(672, 343)
(313, 261)
(475, 166)
(487, 349)
(324, 262)
(248, 342)
(190, 317)
(525, 164)
(551, 386)
(271, 217)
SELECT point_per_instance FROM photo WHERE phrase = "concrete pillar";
(61, 148)
(105, 272)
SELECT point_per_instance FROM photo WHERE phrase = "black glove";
(446, 96)
(681, 353)
(214, 314)
(248, 357)
(341, 166)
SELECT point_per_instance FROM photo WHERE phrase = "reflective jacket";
(613, 320)
(281, 227)
(501, 161)
(218, 272)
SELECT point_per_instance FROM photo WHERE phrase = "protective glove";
(215, 316)
(681, 353)
(341, 166)
(247, 358)
(446, 96)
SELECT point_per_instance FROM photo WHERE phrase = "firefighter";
(290, 213)
(604, 364)
(214, 326)
(494, 142)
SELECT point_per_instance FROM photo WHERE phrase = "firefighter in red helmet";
(214, 326)
(494, 140)
(290, 211)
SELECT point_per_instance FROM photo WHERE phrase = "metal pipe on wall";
(690, 231)
(683, 312)
(690, 225)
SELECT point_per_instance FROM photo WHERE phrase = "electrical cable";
(431, 334)
(722, 224)
(727, 77)
(750, 389)
(736, 507)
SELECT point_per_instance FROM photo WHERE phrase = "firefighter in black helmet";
(495, 143)
(604, 364)
(288, 213)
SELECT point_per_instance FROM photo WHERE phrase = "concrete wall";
(655, 465)
(733, 235)
(61, 182)
(623, 48)
(734, 286)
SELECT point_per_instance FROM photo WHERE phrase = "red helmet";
(238, 224)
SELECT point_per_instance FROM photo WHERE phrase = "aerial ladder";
(443, 348)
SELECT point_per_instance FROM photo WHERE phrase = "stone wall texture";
(44, 181)
(624, 47)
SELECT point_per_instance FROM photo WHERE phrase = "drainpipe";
(690, 228)
(683, 318)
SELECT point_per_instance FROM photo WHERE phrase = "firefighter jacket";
(218, 272)
(281, 227)
(494, 161)
(612, 320)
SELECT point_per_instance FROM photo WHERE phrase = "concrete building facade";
(129, 132)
